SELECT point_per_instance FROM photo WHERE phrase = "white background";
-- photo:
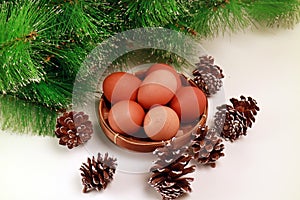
(263, 165)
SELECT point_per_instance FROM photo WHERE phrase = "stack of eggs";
(152, 104)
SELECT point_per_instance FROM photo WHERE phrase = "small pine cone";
(169, 180)
(230, 123)
(168, 154)
(97, 173)
(206, 147)
(206, 60)
(73, 129)
(208, 83)
(247, 106)
(206, 66)
(207, 75)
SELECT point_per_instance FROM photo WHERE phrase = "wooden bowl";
(145, 144)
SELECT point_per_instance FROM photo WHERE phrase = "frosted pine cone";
(230, 123)
(247, 106)
(208, 83)
(97, 173)
(168, 153)
(169, 169)
(73, 129)
(207, 75)
(169, 181)
(206, 66)
(206, 147)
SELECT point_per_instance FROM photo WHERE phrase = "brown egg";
(126, 117)
(161, 123)
(158, 87)
(120, 86)
(189, 103)
(159, 66)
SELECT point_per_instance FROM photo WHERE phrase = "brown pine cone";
(206, 147)
(230, 123)
(208, 83)
(169, 180)
(247, 106)
(169, 169)
(168, 154)
(206, 66)
(97, 173)
(73, 129)
(206, 60)
(207, 75)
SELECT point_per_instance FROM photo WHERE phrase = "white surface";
(263, 165)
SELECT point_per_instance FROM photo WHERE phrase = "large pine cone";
(97, 173)
(247, 106)
(169, 180)
(73, 128)
(207, 75)
(206, 147)
(230, 123)
(169, 169)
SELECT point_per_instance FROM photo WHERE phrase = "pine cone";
(247, 106)
(206, 60)
(97, 173)
(208, 83)
(230, 123)
(73, 128)
(168, 154)
(206, 66)
(206, 147)
(208, 76)
(169, 180)
(169, 169)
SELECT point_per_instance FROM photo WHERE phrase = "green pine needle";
(141, 13)
(43, 43)
(213, 21)
(82, 19)
(50, 93)
(212, 18)
(24, 117)
(280, 13)
(20, 25)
